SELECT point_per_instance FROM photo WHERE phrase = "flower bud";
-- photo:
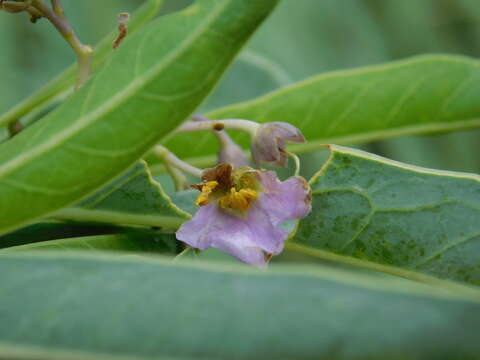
(268, 145)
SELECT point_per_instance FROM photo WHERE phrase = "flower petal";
(284, 201)
(196, 231)
(247, 238)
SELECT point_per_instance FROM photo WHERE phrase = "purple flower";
(242, 210)
(268, 145)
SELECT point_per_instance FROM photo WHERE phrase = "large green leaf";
(415, 96)
(66, 79)
(154, 81)
(250, 76)
(73, 306)
(132, 199)
(388, 213)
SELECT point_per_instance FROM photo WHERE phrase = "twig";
(83, 52)
(58, 8)
(168, 157)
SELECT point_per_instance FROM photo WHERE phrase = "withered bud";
(122, 19)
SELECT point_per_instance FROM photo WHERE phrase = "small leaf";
(389, 213)
(427, 94)
(85, 306)
(148, 86)
(185, 200)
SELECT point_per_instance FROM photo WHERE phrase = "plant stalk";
(83, 52)
(171, 160)
(248, 126)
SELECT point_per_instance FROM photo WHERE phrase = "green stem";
(169, 158)
(179, 179)
(296, 159)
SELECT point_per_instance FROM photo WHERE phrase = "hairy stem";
(169, 158)
(248, 126)
(179, 179)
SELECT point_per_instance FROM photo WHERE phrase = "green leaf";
(108, 307)
(66, 79)
(383, 212)
(420, 95)
(133, 199)
(126, 242)
(250, 76)
(185, 200)
(152, 83)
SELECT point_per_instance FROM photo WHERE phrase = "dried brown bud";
(123, 19)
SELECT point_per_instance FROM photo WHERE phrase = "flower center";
(232, 190)
(207, 188)
(234, 199)
(238, 200)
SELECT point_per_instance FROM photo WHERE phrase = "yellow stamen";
(238, 200)
(207, 189)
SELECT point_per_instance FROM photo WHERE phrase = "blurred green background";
(301, 39)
